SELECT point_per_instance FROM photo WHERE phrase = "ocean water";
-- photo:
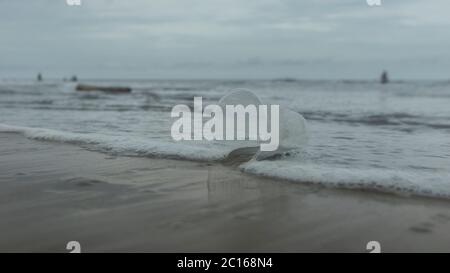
(362, 135)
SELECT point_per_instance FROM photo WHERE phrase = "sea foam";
(122, 145)
(404, 182)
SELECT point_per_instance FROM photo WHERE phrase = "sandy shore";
(53, 193)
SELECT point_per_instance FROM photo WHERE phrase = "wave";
(387, 119)
(428, 183)
(134, 146)
(419, 183)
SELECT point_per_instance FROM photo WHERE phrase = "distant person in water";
(384, 77)
(39, 77)
(74, 78)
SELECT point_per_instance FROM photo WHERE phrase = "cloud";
(198, 36)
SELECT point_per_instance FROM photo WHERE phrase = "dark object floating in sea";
(39, 77)
(285, 80)
(108, 89)
(384, 77)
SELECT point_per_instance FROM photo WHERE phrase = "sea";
(361, 135)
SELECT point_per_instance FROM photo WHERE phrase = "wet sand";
(53, 193)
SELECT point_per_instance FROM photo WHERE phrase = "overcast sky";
(225, 38)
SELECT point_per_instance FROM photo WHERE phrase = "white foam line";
(421, 183)
(142, 147)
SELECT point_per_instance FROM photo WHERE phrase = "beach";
(53, 193)
(237, 127)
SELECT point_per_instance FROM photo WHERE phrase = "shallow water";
(362, 134)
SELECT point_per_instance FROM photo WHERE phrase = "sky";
(221, 39)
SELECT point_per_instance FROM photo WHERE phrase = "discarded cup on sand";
(293, 134)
